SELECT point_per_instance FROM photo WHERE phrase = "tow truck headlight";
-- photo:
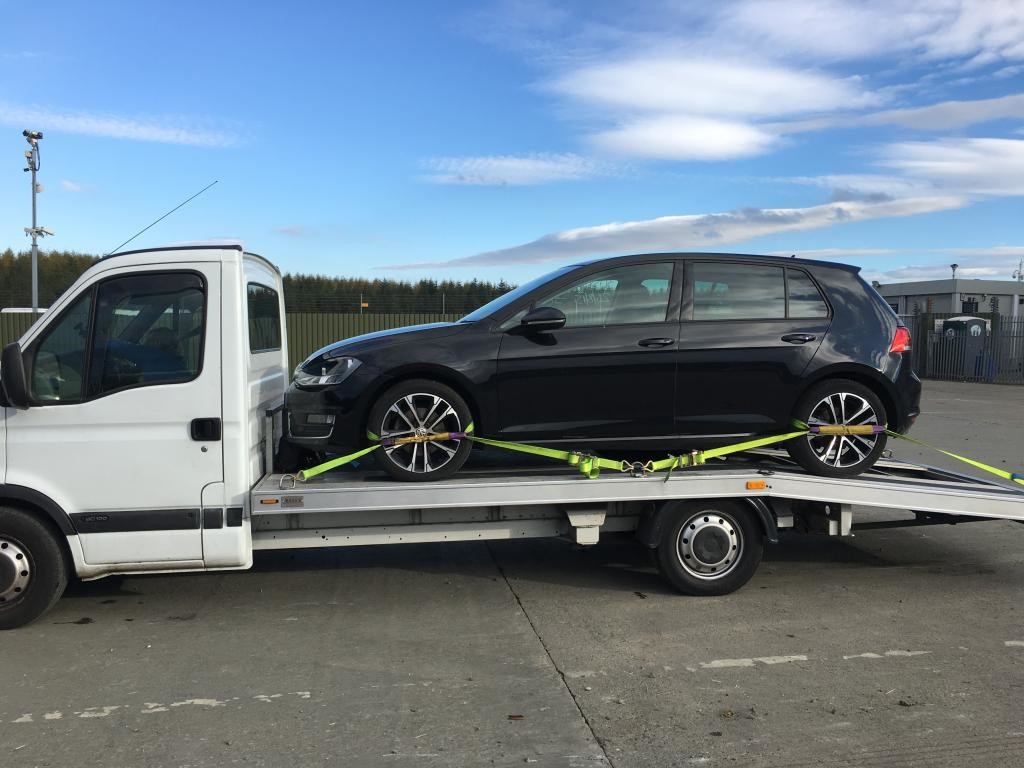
(326, 372)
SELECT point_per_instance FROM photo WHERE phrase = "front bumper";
(330, 419)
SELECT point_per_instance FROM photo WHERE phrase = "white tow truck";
(142, 411)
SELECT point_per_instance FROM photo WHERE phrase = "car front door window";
(638, 293)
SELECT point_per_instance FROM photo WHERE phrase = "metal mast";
(35, 232)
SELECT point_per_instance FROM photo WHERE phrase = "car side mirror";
(12, 377)
(543, 319)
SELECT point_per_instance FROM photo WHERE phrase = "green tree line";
(302, 293)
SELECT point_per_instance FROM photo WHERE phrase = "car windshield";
(512, 296)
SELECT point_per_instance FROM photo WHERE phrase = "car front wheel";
(421, 408)
(838, 402)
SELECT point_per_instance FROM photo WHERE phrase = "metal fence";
(307, 331)
(990, 349)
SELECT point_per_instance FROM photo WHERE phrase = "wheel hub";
(15, 570)
(709, 545)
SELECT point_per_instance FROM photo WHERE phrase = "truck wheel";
(421, 407)
(33, 568)
(709, 547)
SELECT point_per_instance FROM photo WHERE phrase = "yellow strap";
(1011, 476)
(319, 469)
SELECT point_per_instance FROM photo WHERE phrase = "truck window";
(264, 319)
(58, 363)
(147, 329)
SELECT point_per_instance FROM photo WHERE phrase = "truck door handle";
(205, 430)
(798, 338)
(658, 342)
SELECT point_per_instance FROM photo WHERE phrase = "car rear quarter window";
(738, 292)
(264, 319)
(805, 300)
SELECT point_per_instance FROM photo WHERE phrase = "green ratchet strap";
(319, 469)
(590, 466)
(1015, 477)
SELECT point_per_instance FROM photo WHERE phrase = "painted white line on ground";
(154, 707)
(725, 663)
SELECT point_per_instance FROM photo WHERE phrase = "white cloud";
(947, 115)
(982, 31)
(294, 230)
(72, 186)
(165, 130)
(512, 170)
(971, 166)
(696, 108)
(709, 86)
(700, 231)
(684, 138)
(835, 253)
(868, 186)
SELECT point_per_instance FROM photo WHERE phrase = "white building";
(957, 296)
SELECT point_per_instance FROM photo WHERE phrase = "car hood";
(415, 334)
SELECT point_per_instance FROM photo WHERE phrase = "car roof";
(744, 257)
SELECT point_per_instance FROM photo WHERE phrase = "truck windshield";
(507, 299)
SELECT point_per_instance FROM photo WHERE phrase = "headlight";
(327, 372)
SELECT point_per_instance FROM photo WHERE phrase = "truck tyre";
(838, 402)
(33, 568)
(709, 547)
(420, 407)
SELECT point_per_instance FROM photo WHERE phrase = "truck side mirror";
(12, 377)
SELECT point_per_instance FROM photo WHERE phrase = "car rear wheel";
(420, 408)
(838, 402)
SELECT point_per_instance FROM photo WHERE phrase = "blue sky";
(502, 138)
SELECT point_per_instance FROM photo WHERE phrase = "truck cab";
(135, 406)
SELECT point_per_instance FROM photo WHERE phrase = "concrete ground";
(895, 648)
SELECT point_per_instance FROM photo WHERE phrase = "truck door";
(124, 428)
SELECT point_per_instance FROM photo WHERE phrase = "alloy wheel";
(421, 414)
(842, 409)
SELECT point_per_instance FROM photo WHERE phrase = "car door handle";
(798, 338)
(656, 342)
(205, 430)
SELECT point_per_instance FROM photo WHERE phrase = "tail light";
(900, 340)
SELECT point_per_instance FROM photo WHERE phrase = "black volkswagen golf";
(659, 352)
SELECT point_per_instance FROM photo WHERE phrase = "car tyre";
(838, 401)
(33, 568)
(709, 547)
(421, 407)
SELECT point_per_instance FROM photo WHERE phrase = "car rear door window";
(805, 300)
(637, 293)
(738, 292)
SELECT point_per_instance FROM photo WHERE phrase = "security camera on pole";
(35, 232)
